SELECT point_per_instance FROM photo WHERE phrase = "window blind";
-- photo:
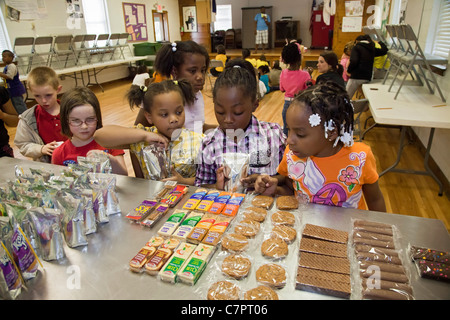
(96, 16)
(442, 40)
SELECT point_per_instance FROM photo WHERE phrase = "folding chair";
(359, 107)
(89, 46)
(415, 56)
(399, 50)
(123, 43)
(43, 50)
(78, 47)
(62, 48)
(101, 45)
(24, 50)
(213, 64)
(113, 44)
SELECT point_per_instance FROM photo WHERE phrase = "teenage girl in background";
(330, 69)
(164, 106)
(321, 163)
(292, 79)
(80, 118)
(184, 60)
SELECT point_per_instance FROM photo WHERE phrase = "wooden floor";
(404, 193)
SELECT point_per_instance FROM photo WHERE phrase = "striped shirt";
(265, 142)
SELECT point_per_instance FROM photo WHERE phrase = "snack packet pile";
(39, 211)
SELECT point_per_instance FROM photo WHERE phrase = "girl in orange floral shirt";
(321, 163)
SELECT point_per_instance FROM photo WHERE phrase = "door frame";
(165, 23)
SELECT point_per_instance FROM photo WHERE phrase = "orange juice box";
(217, 230)
(232, 207)
(220, 202)
(208, 200)
(195, 199)
(201, 229)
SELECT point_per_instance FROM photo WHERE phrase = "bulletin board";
(135, 21)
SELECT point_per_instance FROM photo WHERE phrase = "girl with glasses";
(80, 118)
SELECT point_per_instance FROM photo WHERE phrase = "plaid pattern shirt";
(183, 151)
(265, 142)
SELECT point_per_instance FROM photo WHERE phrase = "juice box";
(172, 223)
(201, 229)
(220, 202)
(176, 262)
(196, 264)
(195, 199)
(208, 200)
(232, 207)
(187, 225)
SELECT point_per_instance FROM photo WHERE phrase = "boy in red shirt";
(39, 130)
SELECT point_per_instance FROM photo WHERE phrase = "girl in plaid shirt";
(163, 103)
(235, 99)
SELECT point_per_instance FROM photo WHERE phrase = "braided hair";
(331, 103)
(238, 73)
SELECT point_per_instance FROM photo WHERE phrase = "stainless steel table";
(100, 269)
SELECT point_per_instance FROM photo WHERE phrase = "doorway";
(160, 26)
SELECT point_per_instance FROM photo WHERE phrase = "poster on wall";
(135, 21)
(17, 10)
(190, 19)
(354, 8)
(354, 11)
(352, 24)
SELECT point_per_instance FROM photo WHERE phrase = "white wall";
(297, 9)
(419, 14)
(57, 22)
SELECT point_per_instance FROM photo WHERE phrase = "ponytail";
(135, 95)
(183, 87)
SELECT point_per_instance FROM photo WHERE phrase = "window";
(441, 45)
(223, 17)
(5, 44)
(96, 16)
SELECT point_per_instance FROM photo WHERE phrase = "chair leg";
(404, 78)
(395, 77)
